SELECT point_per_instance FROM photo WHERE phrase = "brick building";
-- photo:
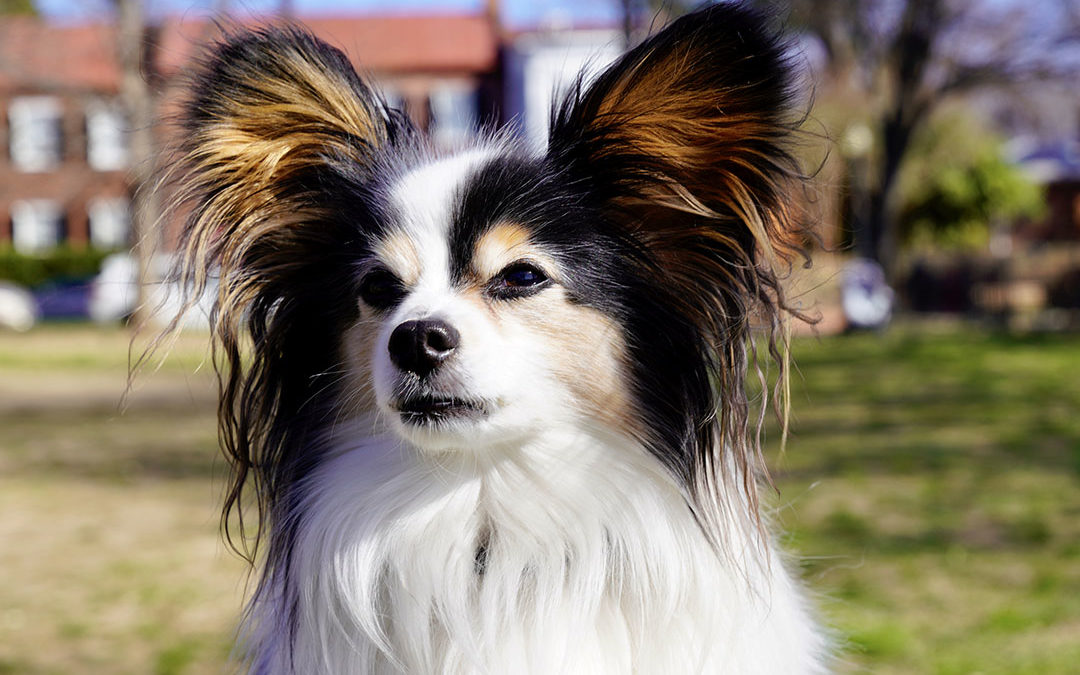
(64, 155)
(64, 159)
(1057, 168)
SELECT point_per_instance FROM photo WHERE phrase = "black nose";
(420, 346)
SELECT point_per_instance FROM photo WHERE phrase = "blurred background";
(930, 490)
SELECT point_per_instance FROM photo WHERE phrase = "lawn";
(109, 550)
(930, 491)
(931, 488)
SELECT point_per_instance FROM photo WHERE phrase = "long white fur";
(594, 562)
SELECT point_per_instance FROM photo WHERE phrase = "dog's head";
(474, 300)
(480, 311)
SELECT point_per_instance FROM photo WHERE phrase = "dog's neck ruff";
(547, 558)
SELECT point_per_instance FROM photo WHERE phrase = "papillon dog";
(488, 406)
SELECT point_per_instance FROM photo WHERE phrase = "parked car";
(18, 309)
(63, 299)
(115, 293)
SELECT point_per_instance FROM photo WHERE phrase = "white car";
(114, 293)
(18, 310)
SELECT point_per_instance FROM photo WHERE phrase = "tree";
(141, 87)
(136, 57)
(956, 186)
(900, 59)
(16, 7)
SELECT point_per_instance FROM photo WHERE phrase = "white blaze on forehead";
(418, 247)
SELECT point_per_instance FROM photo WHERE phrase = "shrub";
(60, 264)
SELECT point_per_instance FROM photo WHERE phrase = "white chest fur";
(555, 558)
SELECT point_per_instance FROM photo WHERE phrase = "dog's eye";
(518, 279)
(381, 289)
(520, 275)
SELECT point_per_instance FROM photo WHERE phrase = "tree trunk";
(133, 47)
(911, 53)
(882, 216)
(627, 7)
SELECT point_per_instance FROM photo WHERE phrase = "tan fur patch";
(398, 251)
(585, 348)
(587, 354)
(500, 246)
(358, 348)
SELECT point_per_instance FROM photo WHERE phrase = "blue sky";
(517, 12)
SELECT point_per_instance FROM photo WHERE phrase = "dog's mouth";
(435, 409)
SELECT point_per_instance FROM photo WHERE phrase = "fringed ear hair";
(279, 131)
(683, 139)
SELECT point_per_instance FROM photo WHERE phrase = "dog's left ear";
(694, 120)
(681, 147)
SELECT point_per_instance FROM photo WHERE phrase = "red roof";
(43, 56)
(413, 43)
(36, 54)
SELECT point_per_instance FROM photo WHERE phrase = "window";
(393, 97)
(110, 222)
(453, 114)
(106, 136)
(540, 66)
(35, 133)
(36, 225)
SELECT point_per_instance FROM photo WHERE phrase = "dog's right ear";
(281, 141)
(268, 114)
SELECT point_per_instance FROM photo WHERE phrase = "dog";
(489, 405)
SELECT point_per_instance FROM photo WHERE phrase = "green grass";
(930, 493)
(931, 487)
(108, 512)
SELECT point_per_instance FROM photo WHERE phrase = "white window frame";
(37, 225)
(35, 133)
(110, 222)
(107, 147)
(454, 114)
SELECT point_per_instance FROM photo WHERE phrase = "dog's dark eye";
(520, 275)
(381, 289)
(517, 280)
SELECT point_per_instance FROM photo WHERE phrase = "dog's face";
(473, 328)
(477, 299)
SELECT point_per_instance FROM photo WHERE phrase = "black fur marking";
(606, 270)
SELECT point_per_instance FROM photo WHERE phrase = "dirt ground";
(109, 545)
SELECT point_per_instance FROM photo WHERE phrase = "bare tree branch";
(908, 56)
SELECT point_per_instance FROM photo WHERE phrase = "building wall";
(442, 76)
(1063, 202)
(73, 184)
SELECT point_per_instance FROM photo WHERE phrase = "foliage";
(61, 264)
(897, 62)
(956, 185)
(26, 7)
